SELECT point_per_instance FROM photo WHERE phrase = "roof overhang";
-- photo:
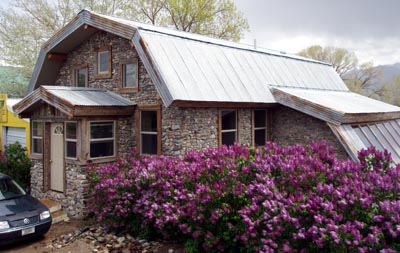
(75, 102)
(336, 107)
(84, 25)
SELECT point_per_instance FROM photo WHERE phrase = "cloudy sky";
(370, 28)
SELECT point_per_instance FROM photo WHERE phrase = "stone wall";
(290, 127)
(74, 199)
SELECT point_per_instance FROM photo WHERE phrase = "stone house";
(103, 86)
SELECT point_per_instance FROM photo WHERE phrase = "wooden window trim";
(109, 73)
(34, 154)
(103, 158)
(121, 76)
(75, 75)
(267, 127)
(66, 140)
(220, 131)
(141, 108)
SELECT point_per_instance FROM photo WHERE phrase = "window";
(37, 137)
(81, 77)
(103, 62)
(129, 75)
(150, 131)
(70, 139)
(259, 127)
(102, 139)
(228, 127)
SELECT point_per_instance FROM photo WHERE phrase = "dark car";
(21, 215)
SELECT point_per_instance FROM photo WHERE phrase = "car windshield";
(10, 189)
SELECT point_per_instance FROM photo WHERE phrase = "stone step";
(53, 206)
(59, 216)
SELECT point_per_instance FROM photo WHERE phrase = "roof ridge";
(206, 39)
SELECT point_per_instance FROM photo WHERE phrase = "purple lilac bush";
(241, 199)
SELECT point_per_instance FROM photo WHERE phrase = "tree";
(13, 82)
(360, 78)
(341, 59)
(366, 80)
(27, 24)
(392, 91)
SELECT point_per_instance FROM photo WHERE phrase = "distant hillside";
(389, 71)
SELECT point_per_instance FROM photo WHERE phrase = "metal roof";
(382, 135)
(336, 107)
(75, 101)
(191, 67)
(88, 96)
(198, 70)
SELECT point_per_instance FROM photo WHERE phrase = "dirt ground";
(39, 245)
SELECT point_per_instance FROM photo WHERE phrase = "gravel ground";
(75, 236)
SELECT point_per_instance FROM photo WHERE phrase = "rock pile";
(102, 242)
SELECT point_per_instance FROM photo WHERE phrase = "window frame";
(104, 74)
(33, 137)
(122, 71)
(114, 138)
(141, 108)
(66, 140)
(76, 77)
(254, 128)
(222, 131)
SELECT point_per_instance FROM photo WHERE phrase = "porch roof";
(75, 101)
(336, 107)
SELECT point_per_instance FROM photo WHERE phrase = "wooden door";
(57, 157)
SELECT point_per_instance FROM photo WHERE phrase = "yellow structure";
(12, 128)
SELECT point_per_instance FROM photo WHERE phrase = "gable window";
(103, 68)
(71, 139)
(150, 131)
(102, 141)
(129, 75)
(228, 127)
(259, 127)
(37, 137)
(81, 77)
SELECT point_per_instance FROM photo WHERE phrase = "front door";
(57, 157)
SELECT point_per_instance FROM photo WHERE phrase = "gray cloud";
(346, 18)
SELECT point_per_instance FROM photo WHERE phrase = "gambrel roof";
(189, 70)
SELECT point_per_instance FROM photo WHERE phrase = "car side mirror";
(28, 191)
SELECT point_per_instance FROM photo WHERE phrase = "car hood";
(20, 207)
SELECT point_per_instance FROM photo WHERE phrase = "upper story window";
(81, 77)
(259, 127)
(228, 127)
(129, 75)
(71, 139)
(103, 68)
(102, 139)
(149, 141)
(37, 137)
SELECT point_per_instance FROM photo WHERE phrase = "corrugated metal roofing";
(382, 135)
(88, 97)
(336, 106)
(195, 70)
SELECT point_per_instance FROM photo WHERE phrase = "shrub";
(240, 199)
(16, 163)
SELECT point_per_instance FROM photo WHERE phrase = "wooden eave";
(215, 104)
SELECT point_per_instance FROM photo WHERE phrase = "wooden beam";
(57, 57)
(89, 27)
